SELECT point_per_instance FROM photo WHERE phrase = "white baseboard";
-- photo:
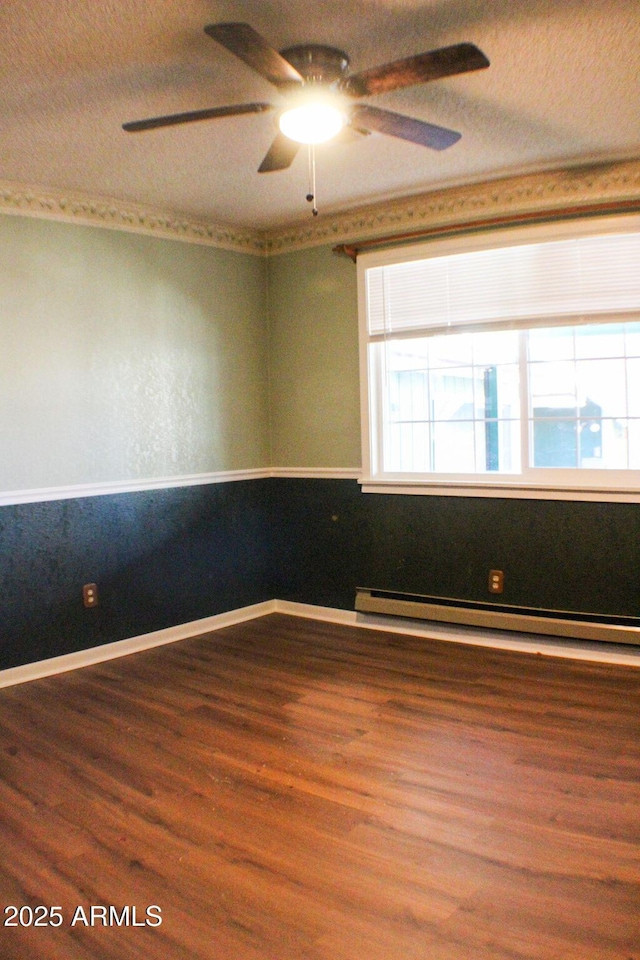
(605, 652)
(310, 611)
(121, 648)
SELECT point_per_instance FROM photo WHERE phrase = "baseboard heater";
(495, 616)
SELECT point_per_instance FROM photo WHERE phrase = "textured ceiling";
(562, 90)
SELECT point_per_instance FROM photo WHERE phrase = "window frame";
(549, 483)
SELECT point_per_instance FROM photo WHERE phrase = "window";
(506, 360)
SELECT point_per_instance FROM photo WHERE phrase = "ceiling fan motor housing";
(317, 63)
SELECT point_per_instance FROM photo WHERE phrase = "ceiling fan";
(317, 89)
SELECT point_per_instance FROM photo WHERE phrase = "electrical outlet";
(496, 581)
(90, 595)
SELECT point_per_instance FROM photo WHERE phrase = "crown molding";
(53, 204)
(548, 191)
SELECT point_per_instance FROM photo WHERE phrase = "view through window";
(496, 384)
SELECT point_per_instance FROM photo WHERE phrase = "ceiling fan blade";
(350, 134)
(459, 58)
(242, 40)
(406, 128)
(138, 125)
(280, 154)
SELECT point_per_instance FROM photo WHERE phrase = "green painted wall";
(126, 357)
(314, 378)
(330, 537)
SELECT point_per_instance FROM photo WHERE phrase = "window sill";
(507, 490)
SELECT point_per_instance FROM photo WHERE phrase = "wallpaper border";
(51, 204)
(550, 190)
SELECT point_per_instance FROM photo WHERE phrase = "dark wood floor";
(291, 790)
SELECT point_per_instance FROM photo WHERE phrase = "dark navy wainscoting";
(556, 555)
(166, 557)
(160, 558)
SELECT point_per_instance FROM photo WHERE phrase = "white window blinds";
(591, 278)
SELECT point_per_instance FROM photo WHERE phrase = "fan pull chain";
(311, 196)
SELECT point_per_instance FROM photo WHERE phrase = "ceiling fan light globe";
(312, 123)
